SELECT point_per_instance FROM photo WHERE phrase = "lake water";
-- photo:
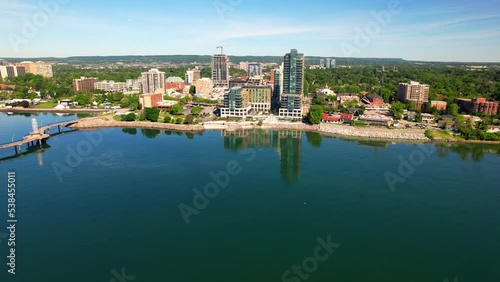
(147, 205)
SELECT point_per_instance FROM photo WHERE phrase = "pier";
(36, 138)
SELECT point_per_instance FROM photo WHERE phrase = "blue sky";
(414, 30)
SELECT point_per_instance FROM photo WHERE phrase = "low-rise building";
(428, 118)
(344, 97)
(176, 83)
(204, 87)
(337, 118)
(374, 100)
(440, 105)
(477, 106)
(150, 100)
(110, 86)
(380, 120)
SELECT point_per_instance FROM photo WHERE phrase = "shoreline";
(341, 131)
(325, 129)
(66, 111)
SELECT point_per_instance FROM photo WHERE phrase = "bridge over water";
(36, 138)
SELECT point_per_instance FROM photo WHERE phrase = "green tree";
(128, 117)
(397, 109)
(315, 114)
(177, 110)
(192, 90)
(196, 110)
(453, 109)
(152, 114)
(82, 99)
(167, 119)
(189, 119)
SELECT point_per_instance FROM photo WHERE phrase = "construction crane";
(221, 49)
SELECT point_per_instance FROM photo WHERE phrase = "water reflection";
(286, 144)
(475, 151)
(131, 131)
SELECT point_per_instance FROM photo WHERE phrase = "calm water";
(94, 203)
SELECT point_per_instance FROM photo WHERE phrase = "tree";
(82, 99)
(178, 120)
(128, 117)
(196, 110)
(397, 109)
(453, 109)
(192, 90)
(177, 110)
(189, 119)
(152, 114)
(124, 102)
(315, 114)
(167, 119)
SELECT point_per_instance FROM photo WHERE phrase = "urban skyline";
(423, 30)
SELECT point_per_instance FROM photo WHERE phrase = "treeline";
(446, 82)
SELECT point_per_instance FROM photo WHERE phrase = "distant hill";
(206, 59)
(200, 59)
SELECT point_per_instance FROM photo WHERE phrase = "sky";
(463, 31)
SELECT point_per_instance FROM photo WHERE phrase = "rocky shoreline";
(340, 130)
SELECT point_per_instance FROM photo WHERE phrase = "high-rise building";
(192, 76)
(413, 91)
(254, 69)
(244, 65)
(293, 85)
(328, 63)
(133, 84)
(11, 71)
(333, 64)
(277, 88)
(84, 84)
(236, 103)
(20, 71)
(220, 70)
(153, 81)
(189, 77)
(39, 68)
(260, 97)
(322, 63)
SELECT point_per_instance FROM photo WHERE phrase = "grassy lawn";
(432, 134)
(48, 105)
